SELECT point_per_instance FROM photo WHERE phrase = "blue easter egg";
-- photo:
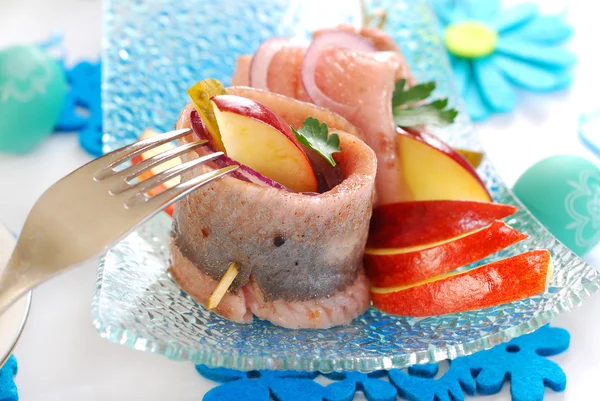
(563, 193)
(32, 92)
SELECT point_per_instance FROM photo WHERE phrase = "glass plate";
(154, 50)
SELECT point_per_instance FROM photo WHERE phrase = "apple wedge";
(473, 157)
(391, 267)
(255, 136)
(148, 133)
(433, 170)
(496, 283)
(404, 224)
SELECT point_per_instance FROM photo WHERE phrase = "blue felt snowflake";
(419, 384)
(292, 386)
(8, 388)
(260, 385)
(84, 94)
(351, 382)
(522, 361)
(494, 51)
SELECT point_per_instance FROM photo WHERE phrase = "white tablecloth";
(61, 357)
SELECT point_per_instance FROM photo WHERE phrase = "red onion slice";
(244, 173)
(247, 174)
(259, 67)
(201, 132)
(339, 39)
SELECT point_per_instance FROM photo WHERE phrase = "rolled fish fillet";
(362, 83)
(299, 255)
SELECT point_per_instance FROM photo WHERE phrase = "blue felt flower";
(85, 81)
(493, 52)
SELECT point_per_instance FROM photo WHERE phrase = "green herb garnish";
(316, 136)
(408, 114)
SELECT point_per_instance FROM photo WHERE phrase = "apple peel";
(496, 283)
(404, 224)
(403, 266)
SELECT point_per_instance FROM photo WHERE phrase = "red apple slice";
(255, 136)
(433, 170)
(148, 133)
(391, 267)
(496, 283)
(398, 225)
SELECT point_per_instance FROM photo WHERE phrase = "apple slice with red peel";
(433, 170)
(255, 136)
(392, 267)
(496, 283)
(403, 224)
(148, 133)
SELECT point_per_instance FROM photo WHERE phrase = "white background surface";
(60, 356)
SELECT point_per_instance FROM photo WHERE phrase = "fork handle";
(24, 272)
(12, 285)
(16, 280)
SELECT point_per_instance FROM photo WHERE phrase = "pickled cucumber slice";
(201, 93)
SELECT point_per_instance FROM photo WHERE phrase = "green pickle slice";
(201, 93)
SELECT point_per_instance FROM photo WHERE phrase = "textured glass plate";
(154, 50)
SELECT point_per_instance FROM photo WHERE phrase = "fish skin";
(241, 307)
(200, 287)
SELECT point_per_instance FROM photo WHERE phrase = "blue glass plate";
(154, 50)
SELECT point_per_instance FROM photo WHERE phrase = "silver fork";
(89, 210)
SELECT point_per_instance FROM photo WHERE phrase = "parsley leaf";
(409, 114)
(432, 113)
(411, 95)
(316, 136)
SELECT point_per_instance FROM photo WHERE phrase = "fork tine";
(121, 155)
(154, 181)
(140, 168)
(171, 195)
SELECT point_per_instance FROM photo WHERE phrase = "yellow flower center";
(470, 39)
